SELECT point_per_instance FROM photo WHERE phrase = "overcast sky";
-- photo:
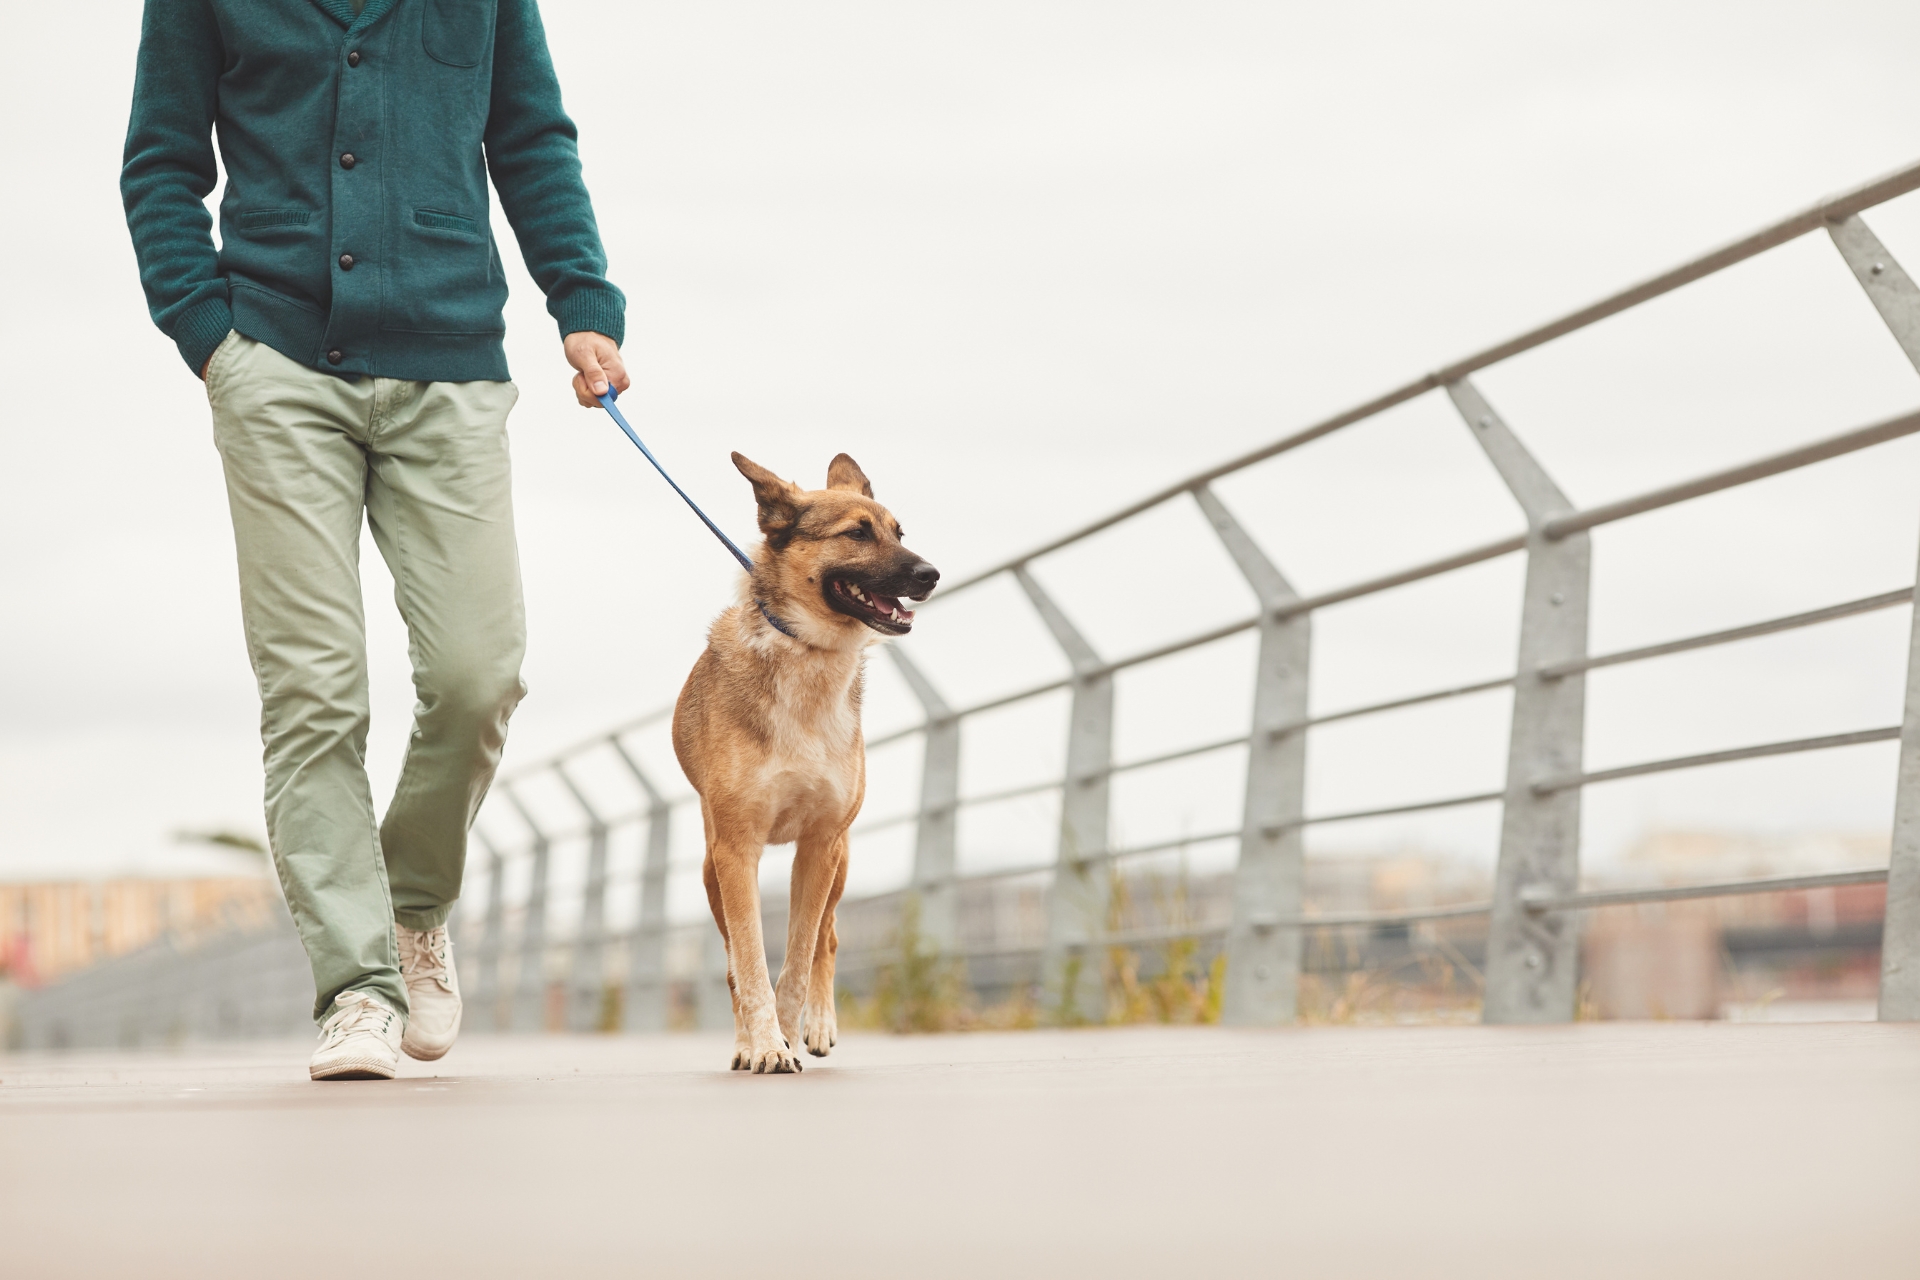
(1026, 261)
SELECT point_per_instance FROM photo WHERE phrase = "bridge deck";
(1588, 1150)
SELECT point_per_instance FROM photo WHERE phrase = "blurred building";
(1710, 957)
(52, 928)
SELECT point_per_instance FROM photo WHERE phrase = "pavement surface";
(1608, 1149)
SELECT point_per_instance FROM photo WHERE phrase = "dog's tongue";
(891, 606)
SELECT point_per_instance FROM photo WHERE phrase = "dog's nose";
(925, 575)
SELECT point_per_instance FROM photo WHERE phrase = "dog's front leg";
(823, 1026)
(736, 870)
(818, 869)
(742, 1050)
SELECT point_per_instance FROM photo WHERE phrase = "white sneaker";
(433, 991)
(361, 1040)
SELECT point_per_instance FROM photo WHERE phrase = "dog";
(767, 729)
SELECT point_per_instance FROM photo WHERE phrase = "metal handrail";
(1830, 613)
(1833, 612)
(1595, 898)
(1559, 527)
(1563, 782)
(1752, 630)
(1791, 460)
(1588, 900)
(598, 740)
(1833, 208)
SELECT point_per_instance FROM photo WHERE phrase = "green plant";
(1068, 1013)
(916, 988)
(1182, 988)
(1423, 988)
(612, 1008)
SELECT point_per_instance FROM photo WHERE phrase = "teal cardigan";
(354, 229)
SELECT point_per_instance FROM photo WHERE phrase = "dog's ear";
(779, 500)
(844, 473)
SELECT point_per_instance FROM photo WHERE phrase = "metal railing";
(1531, 954)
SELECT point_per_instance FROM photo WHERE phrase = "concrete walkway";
(1584, 1151)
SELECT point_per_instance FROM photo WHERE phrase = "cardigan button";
(346, 262)
(353, 58)
(346, 161)
(334, 357)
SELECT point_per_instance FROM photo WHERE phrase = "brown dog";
(768, 731)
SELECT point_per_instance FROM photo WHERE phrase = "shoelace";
(351, 1015)
(429, 957)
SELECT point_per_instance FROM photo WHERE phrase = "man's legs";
(290, 439)
(439, 501)
(305, 453)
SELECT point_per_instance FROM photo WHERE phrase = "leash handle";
(606, 402)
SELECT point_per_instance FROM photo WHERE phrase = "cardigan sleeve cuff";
(198, 331)
(599, 310)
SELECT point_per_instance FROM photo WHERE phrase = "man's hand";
(597, 357)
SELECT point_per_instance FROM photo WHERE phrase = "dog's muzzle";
(877, 602)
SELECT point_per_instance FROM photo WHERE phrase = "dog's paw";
(774, 1060)
(742, 1053)
(822, 1033)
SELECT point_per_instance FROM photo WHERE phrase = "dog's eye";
(859, 534)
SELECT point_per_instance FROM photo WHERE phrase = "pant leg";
(296, 469)
(440, 503)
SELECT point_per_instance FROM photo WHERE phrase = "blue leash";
(620, 419)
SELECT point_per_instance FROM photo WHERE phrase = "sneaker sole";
(425, 1053)
(430, 1051)
(353, 1069)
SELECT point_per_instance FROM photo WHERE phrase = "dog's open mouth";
(883, 613)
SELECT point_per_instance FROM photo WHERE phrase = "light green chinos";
(305, 453)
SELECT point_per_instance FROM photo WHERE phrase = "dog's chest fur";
(811, 762)
(813, 749)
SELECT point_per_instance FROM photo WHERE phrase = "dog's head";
(835, 554)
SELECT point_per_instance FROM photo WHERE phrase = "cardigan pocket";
(439, 221)
(456, 31)
(254, 221)
(271, 223)
(442, 276)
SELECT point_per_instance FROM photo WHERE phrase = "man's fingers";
(582, 394)
(590, 370)
(616, 368)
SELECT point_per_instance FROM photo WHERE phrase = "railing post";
(1263, 953)
(646, 998)
(587, 972)
(1888, 286)
(529, 1011)
(1533, 957)
(1897, 299)
(486, 987)
(1071, 966)
(936, 826)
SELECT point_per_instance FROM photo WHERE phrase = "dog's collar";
(773, 621)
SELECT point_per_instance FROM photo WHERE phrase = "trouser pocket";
(221, 358)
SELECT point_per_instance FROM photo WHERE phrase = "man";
(348, 331)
